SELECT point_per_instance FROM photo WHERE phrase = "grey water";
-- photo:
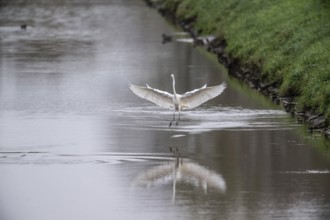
(76, 143)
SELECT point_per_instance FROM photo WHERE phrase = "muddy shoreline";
(248, 74)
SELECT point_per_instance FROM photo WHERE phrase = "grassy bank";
(288, 41)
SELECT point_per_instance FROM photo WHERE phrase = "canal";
(76, 143)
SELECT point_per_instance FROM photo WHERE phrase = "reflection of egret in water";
(185, 172)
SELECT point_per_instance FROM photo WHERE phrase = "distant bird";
(176, 101)
(166, 38)
(23, 26)
(173, 36)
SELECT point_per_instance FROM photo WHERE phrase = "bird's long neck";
(174, 91)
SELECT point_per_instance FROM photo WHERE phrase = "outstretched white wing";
(197, 97)
(160, 98)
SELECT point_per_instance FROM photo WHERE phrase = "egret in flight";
(176, 101)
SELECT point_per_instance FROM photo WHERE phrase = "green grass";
(288, 40)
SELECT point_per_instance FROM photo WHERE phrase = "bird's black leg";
(177, 122)
(173, 119)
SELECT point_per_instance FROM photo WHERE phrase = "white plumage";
(176, 101)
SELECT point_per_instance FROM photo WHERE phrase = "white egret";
(176, 101)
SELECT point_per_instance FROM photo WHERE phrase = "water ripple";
(202, 119)
(46, 158)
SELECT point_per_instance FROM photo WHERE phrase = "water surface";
(76, 143)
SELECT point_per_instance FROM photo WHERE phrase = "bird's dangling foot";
(172, 120)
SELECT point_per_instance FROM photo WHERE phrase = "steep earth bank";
(280, 48)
